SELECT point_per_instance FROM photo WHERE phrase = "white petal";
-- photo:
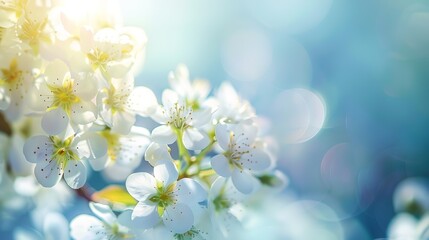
(141, 185)
(75, 174)
(201, 117)
(83, 112)
(55, 226)
(4, 99)
(85, 227)
(160, 116)
(40, 97)
(178, 218)
(55, 72)
(166, 172)
(122, 122)
(118, 69)
(55, 121)
(142, 101)
(48, 174)
(100, 163)
(243, 181)
(145, 216)
(96, 143)
(195, 139)
(103, 212)
(255, 160)
(156, 152)
(223, 136)
(245, 133)
(38, 148)
(189, 190)
(169, 98)
(221, 165)
(85, 86)
(163, 134)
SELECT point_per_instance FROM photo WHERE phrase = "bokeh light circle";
(300, 115)
(247, 54)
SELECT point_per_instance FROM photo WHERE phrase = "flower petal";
(223, 135)
(55, 121)
(103, 212)
(4, 99)
(85, 86)
(75, 174)
(243, 181)
(178, 218)
(163, 134)
(37, 148)
(96, 143)
(156, 152)
(169, 98)
(221, 165)
(144, 216)
(166, 172)
(201, 117)
(189, 190)
(256, 160)
(48, 174)
(141, 185)
(55, 226)
(100, 163)
(55, 72)
(122, 122)
(195, 139)
(142, 101)
(160, 116)
(83, 112)
(85, 227)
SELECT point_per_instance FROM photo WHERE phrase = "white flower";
(163, 197)
(119, 104)
(64, 97)
(124, 152)
(181, 121)
(230, 107)
(15, 80)
(224, 208)
(156, 152)
(55, 156)
(194, 93)
(112, 51)
(240, 157)
(54, 226)
(106, 226)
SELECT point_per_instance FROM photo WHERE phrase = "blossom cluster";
(70, 104)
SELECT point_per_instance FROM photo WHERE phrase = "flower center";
(116, 100)
(98, 59)
(220, 203)
(62, 152)
(32, 31)
(179, 116)
(11, 75)
(64, 96)
(235, 151)
(164, 197)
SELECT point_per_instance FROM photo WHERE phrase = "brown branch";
(4, 125)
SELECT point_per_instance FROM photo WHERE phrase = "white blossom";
(164, 197)
(240, 157)
(55, 156)
(180, 121)
(106, 226)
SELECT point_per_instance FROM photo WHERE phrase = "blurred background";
(342, 83)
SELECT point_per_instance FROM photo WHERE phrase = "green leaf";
(115, 195)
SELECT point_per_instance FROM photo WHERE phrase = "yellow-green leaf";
(114, 194)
